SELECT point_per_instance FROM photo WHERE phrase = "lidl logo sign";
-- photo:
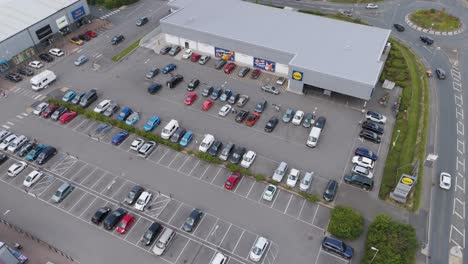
(297, 75)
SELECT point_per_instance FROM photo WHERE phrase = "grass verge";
(410, 130)
(126, 51)
(435, 19)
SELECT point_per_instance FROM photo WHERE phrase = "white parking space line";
(203, 174)
(460, 146)
(187, 158)
(5, 126)
(175, 157)
(180, 254)
(460, 128)
(462, 216)
(460, 164)
(302, 207)
(198, 162)
(131, 228)
(167, 151)
(19, 116)
(287, 206)
(238, 240)
(214, 178)
(170, 220)
(227, 231)
(90, 203)
(84, 194)
(459, 232)
(10, 123)
(251, 187)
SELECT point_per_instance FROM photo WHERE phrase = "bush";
(310, 197)
(346, 223)
(260, 177)
(395, 241)
(235, 167)
(207, 157)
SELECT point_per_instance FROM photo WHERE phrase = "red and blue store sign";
(78, 13)
(265, 65)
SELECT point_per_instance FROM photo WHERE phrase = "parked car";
(288, 115)
(207, 91)
(232, 180)
(25, 71)
(426, 40)
(243, 99)
(25, 149)
(191, 97)
(102, 106)
(151, 73)
(363, 161)
(248, 159)
(252, 118)
(241, 115)
(67, 117)
(174, 50)
(293, 177)
(271, 124)
(69, 96)
(309, 120)
(36, 64)
(133, 195)
(151, 234)
(233, 98)
(100, 215)
(369, 135)
(330, 191)
(114, 218)
(57, 113)
(270, 89)
(146, 149)
(90, 34)
(46, 155)
(229, 67)
(119, 137)
(143, 200)
(187, 54)
(193, 84)
(255, 74)
(359, 181)
(243, 71)
(269, 192)
(281, 80)
(46, 57)
(356, 169)
(132, 119)
(306, 181)
(16, 168)
(7, 141)
(186, 139)
(376, 117)
(33, 177)
(154, 88)
(164, 50)
(366, 153)
(113, 108)
(204, 59)
(225, 95)
(260, 106)
(216, 93)
(259, 248)
(117, 39)
(207, 104)
(178, 134)
(153, 122)
(372, 6)
(136, 144)
(124, 113)
(297, 118)
(176, 79)
(372, 126)
(208, 140)
(84, 37)
(34, 153)
(220, 64)
(237, 155)
(192, 220)
(56, 52)
(195, 57)
(76, 100)
(336, 246)
(14, 77)
(226, 152)
(76, 41)
(224, 111)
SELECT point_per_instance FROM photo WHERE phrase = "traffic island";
(433, 20)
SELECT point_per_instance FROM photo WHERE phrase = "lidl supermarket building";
(312, 51)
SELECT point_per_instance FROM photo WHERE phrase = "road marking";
(167, 150)
(302, 207)
(188, 157)
(460, 164)
(460, 146)
(6, 212)
(220, 169)
(10, 123)
(455, 211)
(459, 100)
(98, 56)
(19, 116)
(287, 206)
(180, 254)
(5, 126)
(251, 187)
(457, 86)
(460, 128)
(170, 220)
(238, 240)
(461, 187)
(37, 96)
(190, 173)
(175, 157)
(25, 114)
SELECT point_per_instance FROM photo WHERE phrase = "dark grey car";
(192, 221)
(330, 191)
(260, 106)
(220, 64)
(237, 155)
(243, 71)
(151, 73)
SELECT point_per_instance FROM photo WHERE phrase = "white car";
(293, 177)
(372, 6)
(225, 110)
(36, 64)
(40, 107)
(146, 149)
(143, 200)
(298, 116)
(56, 52)
(376, 117)
(16, 168)
(206, 143)
(259, 248)
(363, 162)
(356, 169)
(32, 178)
(248, 159)
(187, 54)
(306, 181)
(445, 181)
(102, 106)
(136, 144)
(6, 142)
(269, 192)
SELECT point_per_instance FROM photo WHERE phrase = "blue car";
(119, 137)
(366, 153)
(124, 113)
(152, 123)
(216, 93)
(68, 97)
(132, 119)
(169, 68)
(32, 155)
(186, 139)
(225, 96)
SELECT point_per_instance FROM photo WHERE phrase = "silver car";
(81, 60)
(204, 59)
(270, 89)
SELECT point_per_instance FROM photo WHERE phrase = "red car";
(195, 57)
(232, 180)
(91, 34)
(229, 67)
(67, 117)
(49, 110)
(207, 105)
(255, 74)
(252, 118)
(191, 97)
(125, 224)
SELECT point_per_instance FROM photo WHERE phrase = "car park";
(216, 93)
(224, 111)
(113, 108)
(399, 27)
(426, 40)
(143, 200)
(102, 106)
(309, 120)
(195, 57)
(445, 181)
(62, 192)
(440, 74)
(293, 177)
(356, 169)
(269, 192)
(164, 50)
(56, 52)
(153, 122)
(225, 95)
(206, 143)
(233, 98)
(151, 73)
(297, 118)
(270, 89)
(193, 84)
(260, 106)
(192, 220)
(255, 74)
(363, 161)
(69, 96)
(114, 218)
(186, 139)
(248, 159)
(146, 149)
(142, 21)
(232, 180)
(81, 60)
(14, 77)
(34, 153)
(306, 181)
(226, 151)
(46, 57)
(100, 215)
(169, 68)
(176, 79)
(330, 191)
(204, 59)
(76, 41)
(132, 119)
(36, 64)
(67, 117)
(84, 37)
(271, 124)
(136, 144)
(288, 115)
(133, 194)
(124, 113)
(252, 118)
(26, 148)
(16, 168)
(46, 155)
(40, 108)
(25, 71)
(7, 141)
(360, 181)
(178, 134)
(215, 148)
(191, 97)
(187, 54)
(119, 137)
(76, 100)
(32, 178)
(243, 71)
(366, 153)
(207, 91)
(259, 248)
(371, 6)
(174, 50)
(237, 155)
(90, 34)
(372, 126)
(338, 247)
(154, 88)
(207, 104)
(125, 224)
(369, 135)
(117, 39)
(376, 117)
(151, 234)
(220, 64)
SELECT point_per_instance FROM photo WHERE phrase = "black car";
(100, 214)
(26, 148)
(114, 218)
(207, 91)
(153, 88)
(25, 71)
(320, 123)
(440, 74)
(164, 50)
(214, 149)
(14, 77)
(192, 221)
(141, 21)
(241, 115)
(84, 37)
(45, 155)
(178, 134)
(260, 106)
(117, 39)
(220, 64)
(151, 73)
(233, 99)
(330, 190)
(57, 113)
(243, 71)
(3, 158)
(46, 57)
(237, 155)
(133, 195)
(372, 126)
(360, 181)
(337, 246)
(369, 135)
(174, 81)
(151, 234)
(399, 27)
(427, 40)
(193, 84)
(271, 124)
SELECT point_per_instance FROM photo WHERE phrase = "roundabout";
(436, 22)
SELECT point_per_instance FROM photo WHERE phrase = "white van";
(42, 80)
(313, 138)
(219, 259)
(169, 129)
(163, 242)
(17, 143)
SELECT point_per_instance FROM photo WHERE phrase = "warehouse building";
(314, 52)
(28, 25)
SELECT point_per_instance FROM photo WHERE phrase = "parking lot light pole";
(396, 138)
(375, 254)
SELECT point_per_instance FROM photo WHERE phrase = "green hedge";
(126, 51)
(207, 157)
(395, 241)
(111, 3)
(346, 223)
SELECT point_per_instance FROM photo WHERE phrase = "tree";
(346, 223)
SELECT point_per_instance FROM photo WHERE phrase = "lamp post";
(375, 254)
(396, 139)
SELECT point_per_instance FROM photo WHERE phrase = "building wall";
(15, 45)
